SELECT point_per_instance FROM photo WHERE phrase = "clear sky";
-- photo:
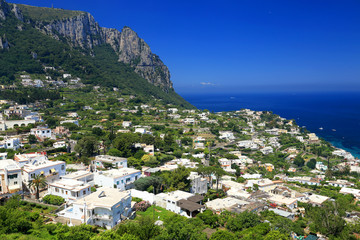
(242, 45)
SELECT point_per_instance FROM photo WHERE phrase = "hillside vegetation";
(47, 14)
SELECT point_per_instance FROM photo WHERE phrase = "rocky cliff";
(81, 30)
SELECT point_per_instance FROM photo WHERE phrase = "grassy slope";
(47, 14)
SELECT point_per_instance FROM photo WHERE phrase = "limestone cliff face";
(83, 31)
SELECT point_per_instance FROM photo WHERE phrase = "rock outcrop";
(4, 10)
(4, 44)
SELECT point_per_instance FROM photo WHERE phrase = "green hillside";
(102, 69)
(47, 14)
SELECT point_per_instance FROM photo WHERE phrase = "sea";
(333, 116)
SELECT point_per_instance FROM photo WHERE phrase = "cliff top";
(47, 14)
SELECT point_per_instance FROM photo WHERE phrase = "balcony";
(102, 217)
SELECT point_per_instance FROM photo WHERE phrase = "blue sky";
(243, 45)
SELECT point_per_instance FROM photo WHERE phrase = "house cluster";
(107, 206)
(66, 81)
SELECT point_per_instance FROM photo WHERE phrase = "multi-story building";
(52, 170)
(10, 178)
(69, 189)
(105, 208)
(116, 162)
(121, 178)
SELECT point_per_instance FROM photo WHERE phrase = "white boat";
(321, 128)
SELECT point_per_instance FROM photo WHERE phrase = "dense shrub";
(54, 200)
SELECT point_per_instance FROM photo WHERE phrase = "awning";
(53, 170)
(42, 172)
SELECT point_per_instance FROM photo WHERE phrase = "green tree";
(37, 183)
(311, 163)
(32, 139)
(222, 234)
(209, 218)
(242, 221)
(87, 146)
(299, 161)
(275, 235)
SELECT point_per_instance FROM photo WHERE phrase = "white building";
(59, 144)
(41, 132)
(126, 124)
(218, 205)
(10, 177)
(26, 158)
(105, 208)
(116, 162)
(280, 200)
(199, 185)
(69, 189)
(10, 143)
(82, 175)
(227, 135)
(117, 178)
(52, 170)
(267, 150)
(180, 202)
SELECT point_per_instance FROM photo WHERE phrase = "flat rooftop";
(70, 184)
(115, 173)
(77, 175)
(9, 164)
(103, 197)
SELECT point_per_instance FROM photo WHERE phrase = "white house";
(280, 200)
(59, 144)
(69, 189)
(10, 143)
(227, 135)
(52, 170)
(180, 202)
(267, 150)
(82, 175)
(10, 178)
(66, 75)
(41, 132)
(117, 162)
(105, 208)
(117, 178)
(26, 158)
(126, 124)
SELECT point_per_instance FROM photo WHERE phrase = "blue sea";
(337, 113)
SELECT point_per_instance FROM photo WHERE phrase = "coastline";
(312, 110)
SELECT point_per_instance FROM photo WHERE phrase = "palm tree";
(38, 182)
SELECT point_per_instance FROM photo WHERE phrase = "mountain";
(33, 37)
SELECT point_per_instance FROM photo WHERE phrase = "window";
(12, 176)
(84, 192)
(117, 182)
(49, 171)
(56, 190)
(122, 181)
(128, 180)
(66, 192)
(15, 183)
(62, 167)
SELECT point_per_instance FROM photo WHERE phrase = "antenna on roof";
(52, 5)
